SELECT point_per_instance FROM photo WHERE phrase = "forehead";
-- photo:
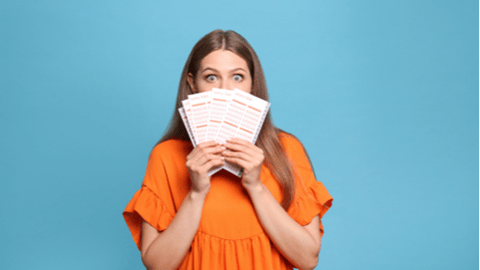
(223, 59)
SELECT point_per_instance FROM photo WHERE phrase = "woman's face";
(221, 69)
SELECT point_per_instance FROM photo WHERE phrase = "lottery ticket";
(221, 115)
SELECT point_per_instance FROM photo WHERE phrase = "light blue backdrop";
(384, 95)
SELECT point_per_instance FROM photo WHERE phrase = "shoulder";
(167, 163)
(290, 142)
(172, 145)
(173, 148)
(294, 149)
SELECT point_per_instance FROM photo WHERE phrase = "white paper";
(221, 115)
(200, 105)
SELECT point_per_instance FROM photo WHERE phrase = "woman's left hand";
(249, 157)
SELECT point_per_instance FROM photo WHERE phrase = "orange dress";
(230, 235)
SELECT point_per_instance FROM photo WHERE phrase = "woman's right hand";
(203, 157)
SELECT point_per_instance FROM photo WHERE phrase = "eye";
(211, 78)
(237, 77)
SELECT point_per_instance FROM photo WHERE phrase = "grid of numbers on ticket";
(222, 114)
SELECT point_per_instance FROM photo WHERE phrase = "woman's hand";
(203, 157)
(249, 157)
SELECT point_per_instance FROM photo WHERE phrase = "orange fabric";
(229, 236)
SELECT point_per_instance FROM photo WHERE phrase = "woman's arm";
(298, 244)
(167, 249)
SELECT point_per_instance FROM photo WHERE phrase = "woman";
(268, 219)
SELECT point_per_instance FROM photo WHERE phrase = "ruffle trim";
(311, 201)
(212, 252)
(145, 205)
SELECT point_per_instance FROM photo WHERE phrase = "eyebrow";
(214, 70)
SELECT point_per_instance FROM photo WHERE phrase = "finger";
(207, 158)
(203, 145)
(204, 164)
(212, 150)
(238, 147)
(205, 149)
(239, 141)
(249, 160)
(241, 152)
(212, 163)
(240, 155)
(238, 161)
(236, 142)
(207, 144)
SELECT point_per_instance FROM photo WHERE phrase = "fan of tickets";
(220, 115)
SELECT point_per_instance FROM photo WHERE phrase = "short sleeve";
(153, 202)
(311, 197)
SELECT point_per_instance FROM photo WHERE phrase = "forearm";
(169, 248)
(292, 240)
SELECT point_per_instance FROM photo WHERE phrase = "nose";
(226, 84)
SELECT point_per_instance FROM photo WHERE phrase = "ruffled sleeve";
(152, 203)
(311, 197)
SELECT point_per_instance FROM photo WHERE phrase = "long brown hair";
(268, 139)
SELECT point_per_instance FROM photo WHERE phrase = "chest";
(228, 212)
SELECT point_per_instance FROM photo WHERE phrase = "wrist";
(198, 196)
(254, 188)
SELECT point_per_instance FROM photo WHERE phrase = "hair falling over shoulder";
(268, 139)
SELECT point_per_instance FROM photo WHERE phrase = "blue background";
(383, 94)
